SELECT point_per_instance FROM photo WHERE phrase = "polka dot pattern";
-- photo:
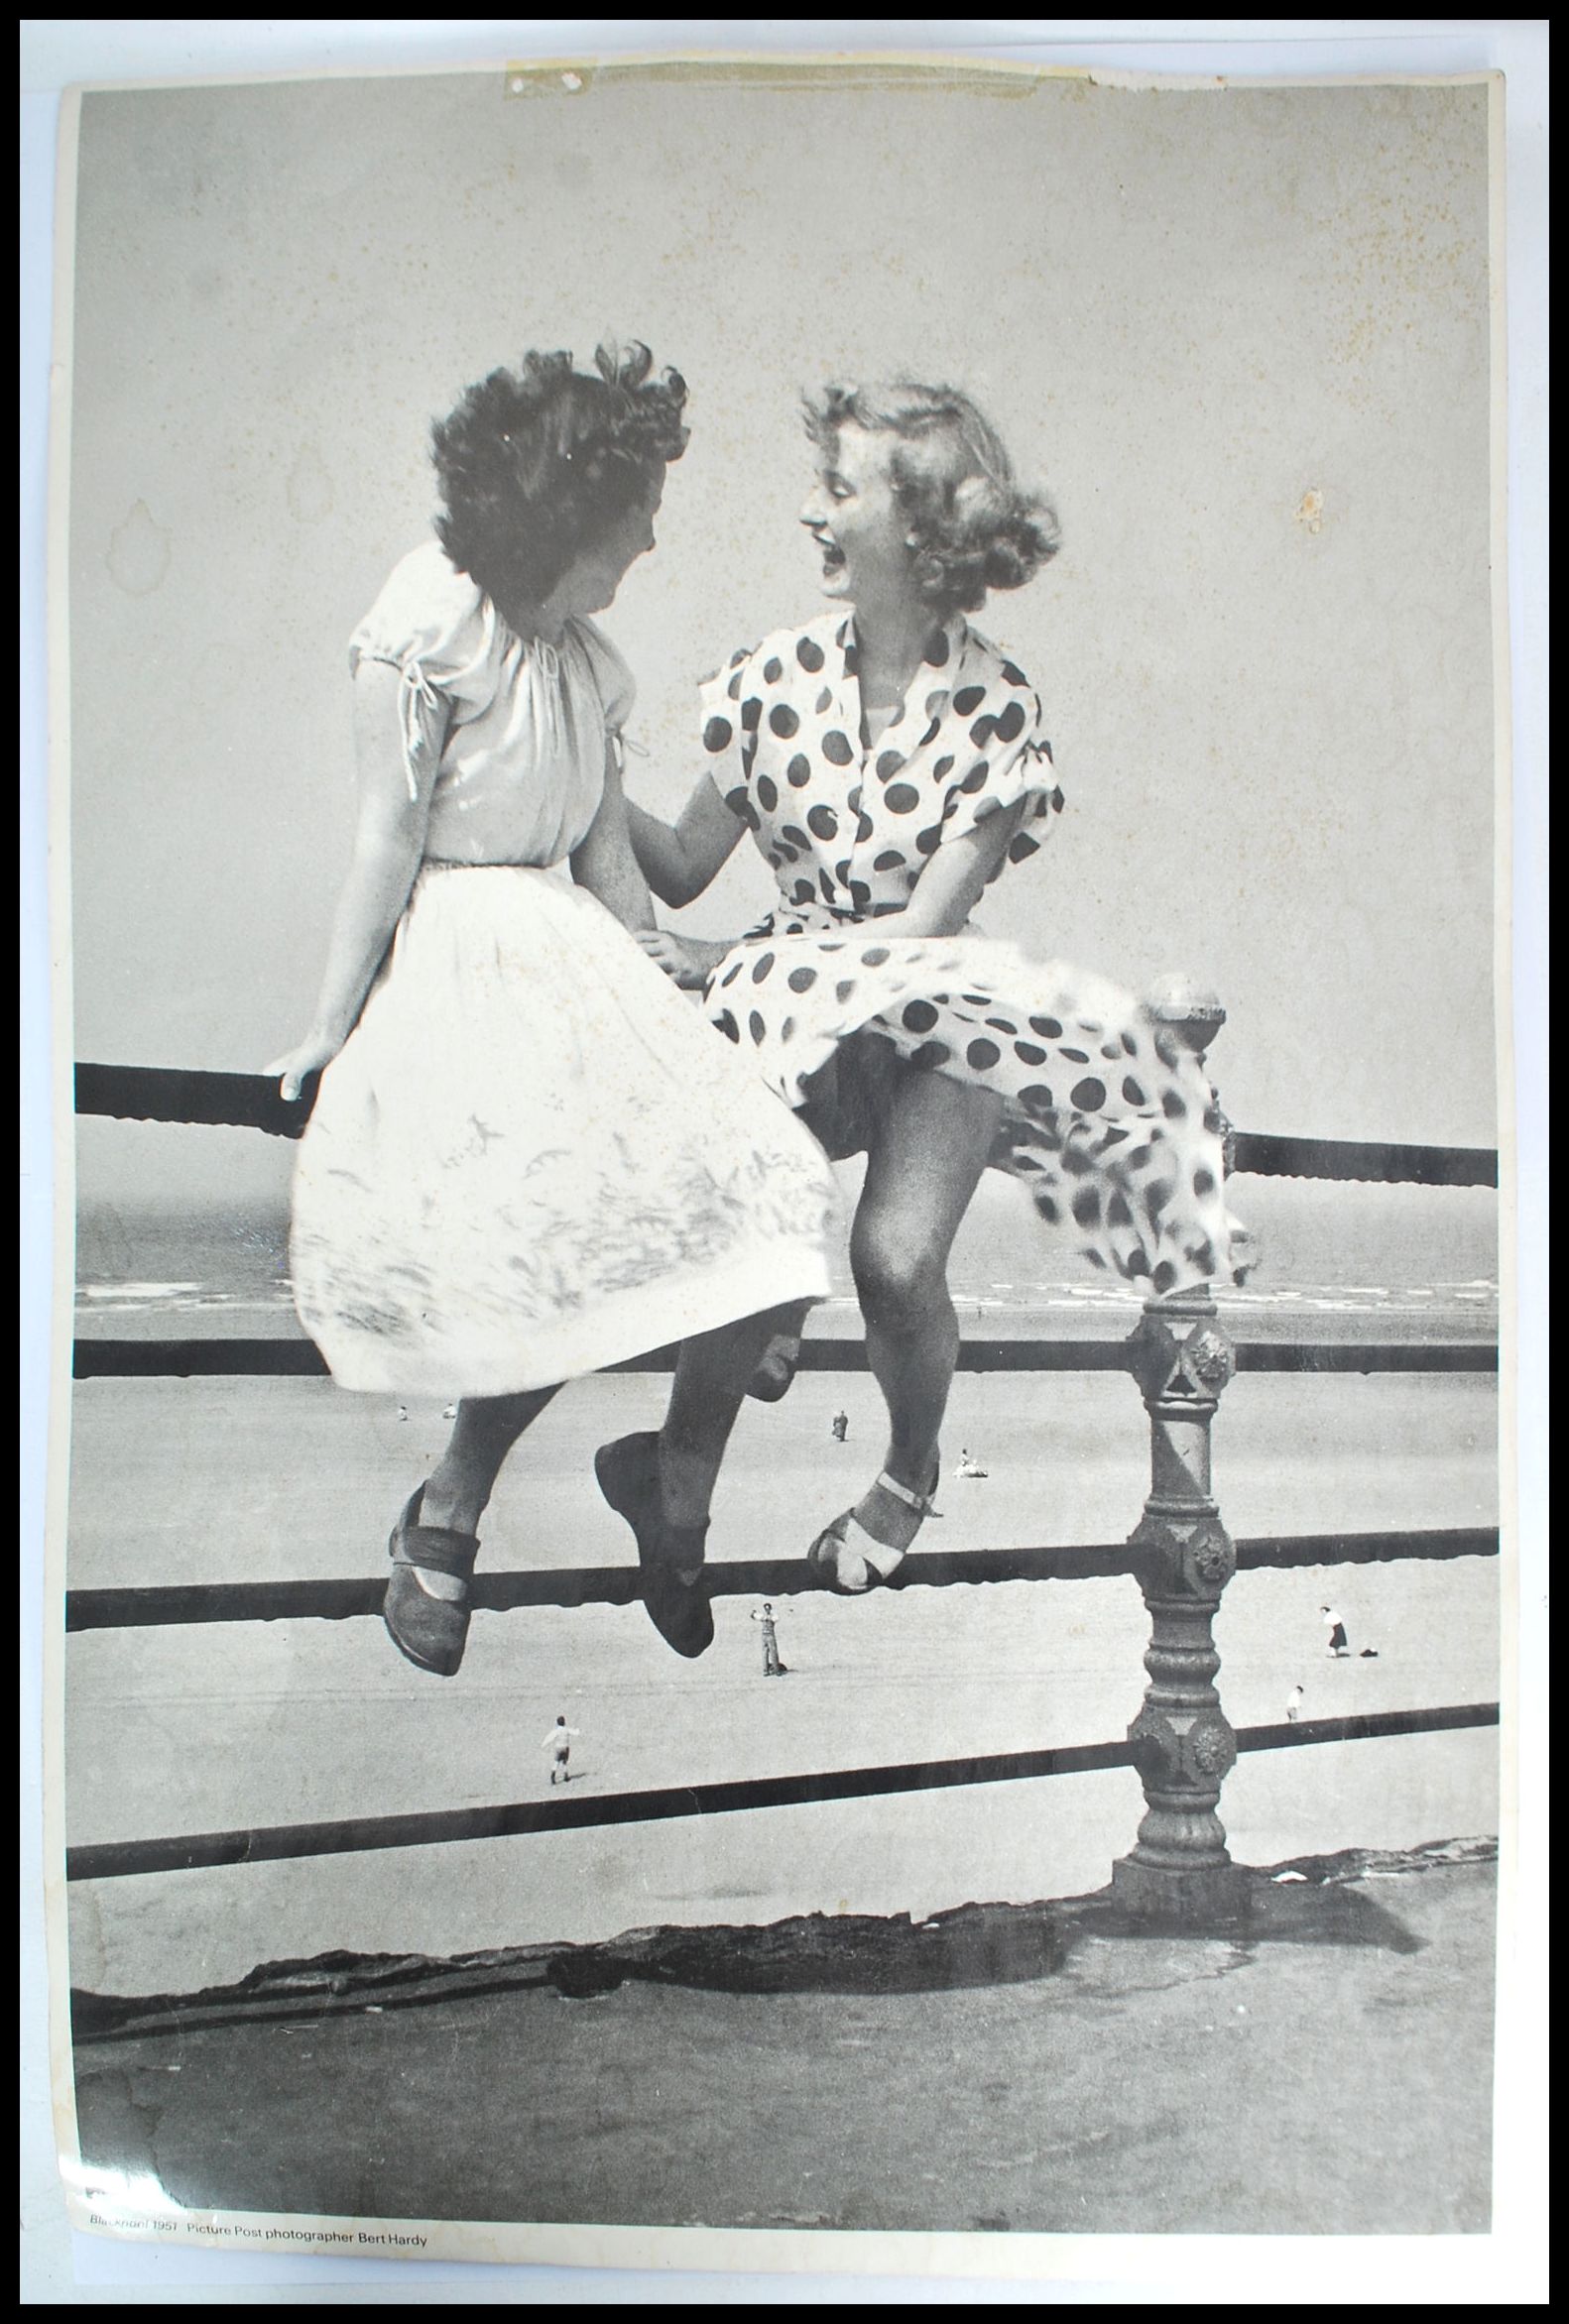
(786, 718)
(1129, 1162)
(1106, 1118)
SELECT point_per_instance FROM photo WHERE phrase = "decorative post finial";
(1190, 1008)
(1194, 1015)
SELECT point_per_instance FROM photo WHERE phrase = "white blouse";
(518, 729)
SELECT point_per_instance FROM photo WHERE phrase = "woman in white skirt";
(890, 762)
(529, 1157)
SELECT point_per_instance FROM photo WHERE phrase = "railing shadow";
(1315, 1901)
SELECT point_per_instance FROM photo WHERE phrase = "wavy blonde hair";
(972, 528)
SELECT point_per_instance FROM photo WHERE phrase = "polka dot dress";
(1106, 1117)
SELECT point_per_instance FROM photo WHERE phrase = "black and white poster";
(782, 1513)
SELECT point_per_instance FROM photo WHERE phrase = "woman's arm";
(949, 888)
(678, 860)
(607, 867)
(389, 842)
(605, 863)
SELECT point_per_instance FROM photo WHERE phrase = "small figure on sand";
(1293, 1704)
(773, 1668)
(968, 1465)
(840, 1427)
(1339, 1644)
(558, 1742)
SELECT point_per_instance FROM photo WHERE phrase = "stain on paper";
(547, 80)
(138, 556)
(1310, 512)
(784, 74)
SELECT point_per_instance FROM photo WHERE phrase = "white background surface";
(62, 2269)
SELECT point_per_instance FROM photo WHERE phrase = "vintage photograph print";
(779, 786)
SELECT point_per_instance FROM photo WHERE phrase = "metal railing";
(1180, 1743)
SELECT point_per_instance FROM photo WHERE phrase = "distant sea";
(1337, 1262)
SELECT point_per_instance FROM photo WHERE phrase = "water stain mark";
(139, 553)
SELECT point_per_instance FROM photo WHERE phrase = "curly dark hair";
(972, 526)
(539, 463)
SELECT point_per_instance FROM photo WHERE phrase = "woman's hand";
(686, 960)
(308, 1056)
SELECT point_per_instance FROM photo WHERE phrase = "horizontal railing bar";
(441, 1828)
(1261, 1154)
(279, 1358)
(168, 1606)
(245, 1101)
(179, 1094)
(1368, 1726)
(1276, 1551)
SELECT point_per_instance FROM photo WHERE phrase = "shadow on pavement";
(1314, 1901)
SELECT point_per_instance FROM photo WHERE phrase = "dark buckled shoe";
(432, 1632)
(674, 1586)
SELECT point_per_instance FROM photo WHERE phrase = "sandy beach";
(222, 1726)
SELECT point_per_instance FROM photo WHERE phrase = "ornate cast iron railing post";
(1183, 1745)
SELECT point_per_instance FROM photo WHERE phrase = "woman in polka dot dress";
(890, 762)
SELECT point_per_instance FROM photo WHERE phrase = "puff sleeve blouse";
(516, 729)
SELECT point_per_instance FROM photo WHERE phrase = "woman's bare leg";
(711, 1376)
(776, 1364)
(920, 1177)
(462, 1481)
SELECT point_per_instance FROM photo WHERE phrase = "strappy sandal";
(852, 1560)
(430, 1631)
(776, 1372)
(674, 1586)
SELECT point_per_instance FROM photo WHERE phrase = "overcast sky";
(1241, 336)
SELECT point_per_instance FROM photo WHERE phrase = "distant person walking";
(841, 1427)
(558, 1742)
(1293, 1704)
(773, 1668)
(1339, 1645)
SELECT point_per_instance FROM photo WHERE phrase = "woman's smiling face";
(853, 515)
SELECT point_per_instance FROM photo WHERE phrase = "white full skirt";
(534, 1157)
